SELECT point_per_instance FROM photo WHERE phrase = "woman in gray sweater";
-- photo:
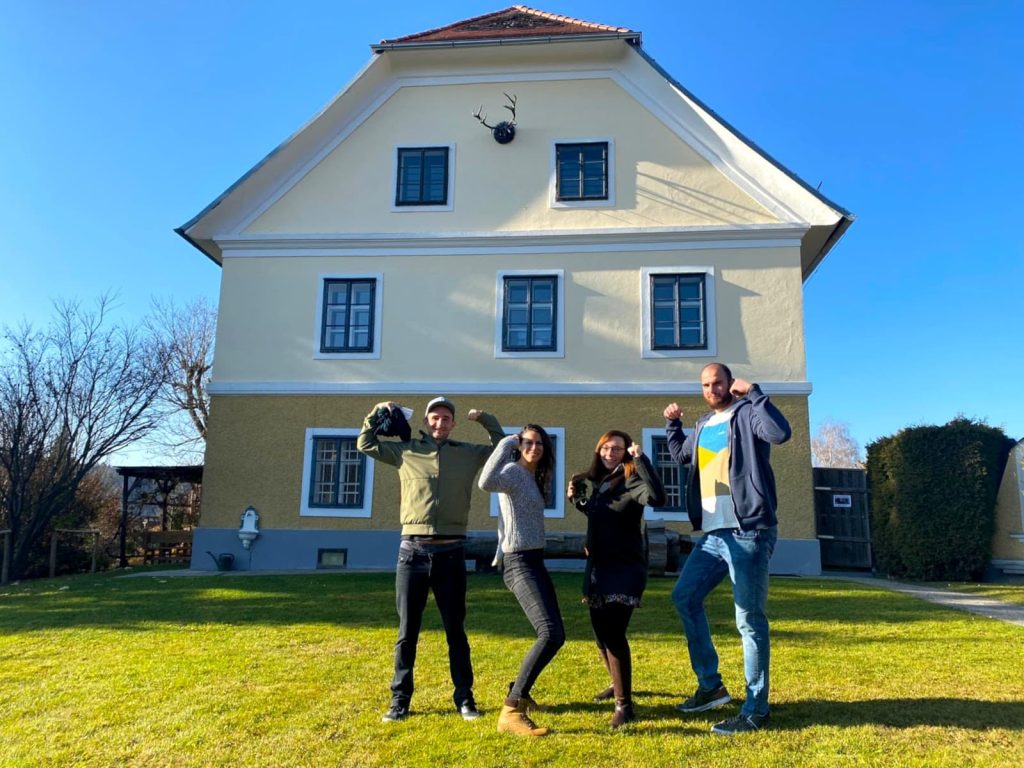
(520, 471)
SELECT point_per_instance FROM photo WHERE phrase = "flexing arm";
(766, 420)
(490, 423)
(680, 446)
(645, 486)
(389, 451)
(491, 478)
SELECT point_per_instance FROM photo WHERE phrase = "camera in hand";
(579, 489)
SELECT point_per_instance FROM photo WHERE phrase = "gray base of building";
(293, 549)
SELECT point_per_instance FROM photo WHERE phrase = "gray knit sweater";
(521, 524)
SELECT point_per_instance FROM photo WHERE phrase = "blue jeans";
(529, 580)
(422, 568)
(743, 556)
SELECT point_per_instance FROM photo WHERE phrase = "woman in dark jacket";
(612, 493)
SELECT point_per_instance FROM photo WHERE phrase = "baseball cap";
(441, 402)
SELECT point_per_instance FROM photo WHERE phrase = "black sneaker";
(741, 724)
(703, 700)
(468, 710)
(396, 713)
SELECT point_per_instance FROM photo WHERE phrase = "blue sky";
(121, 120)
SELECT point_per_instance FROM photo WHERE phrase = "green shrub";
(933, 494)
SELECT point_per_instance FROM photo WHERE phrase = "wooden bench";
(167, 547)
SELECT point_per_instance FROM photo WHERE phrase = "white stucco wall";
(439, 318)
(660, 180)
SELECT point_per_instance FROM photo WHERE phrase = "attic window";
(423, 176)
(582, 171)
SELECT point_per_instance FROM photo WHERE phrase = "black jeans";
(530, 582)
(423, 567)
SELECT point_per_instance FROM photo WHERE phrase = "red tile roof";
(516, 22)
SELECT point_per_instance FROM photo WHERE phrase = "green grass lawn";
(293, 671)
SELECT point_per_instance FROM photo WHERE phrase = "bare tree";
(834, 446)
(186, 335)
(69, 397)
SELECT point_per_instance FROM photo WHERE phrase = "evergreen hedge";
(933, 497)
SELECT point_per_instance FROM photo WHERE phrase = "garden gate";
(841, 516)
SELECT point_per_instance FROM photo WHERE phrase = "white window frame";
(711, 328)
(378, 304)
(554, 202)
(650, 513)
(499, 313)
(305, 510)
(557, 482)
(393, 186)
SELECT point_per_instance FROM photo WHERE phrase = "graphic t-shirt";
(713, 463)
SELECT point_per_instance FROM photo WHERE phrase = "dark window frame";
(583, 164)
(421, 198)
(678, 304)
(338, 465)
(507, 280)
(673, 475)
(326, 328)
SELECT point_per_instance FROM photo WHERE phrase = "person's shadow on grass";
(890, 713)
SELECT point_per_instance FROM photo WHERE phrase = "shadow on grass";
(367, 601)
(965, 714)
(901, 713)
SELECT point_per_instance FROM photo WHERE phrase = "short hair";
(722, 367)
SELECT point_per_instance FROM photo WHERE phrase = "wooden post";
(123, 532)
(5, 568)
(53, 554)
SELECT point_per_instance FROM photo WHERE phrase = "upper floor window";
(679, 311)
(422, 176)
(349, 317)
(554, 500)
(679, 321)
(583, 173)
(337, 479)
(530, 314)
(673, 477)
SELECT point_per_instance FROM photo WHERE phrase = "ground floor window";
(337, 479)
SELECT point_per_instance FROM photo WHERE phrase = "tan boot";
(532, 707)
(513, 719)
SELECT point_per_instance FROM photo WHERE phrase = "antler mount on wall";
(504, 131)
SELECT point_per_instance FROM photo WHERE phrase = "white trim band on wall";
(532, 388)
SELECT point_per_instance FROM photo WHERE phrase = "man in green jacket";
(437, 476)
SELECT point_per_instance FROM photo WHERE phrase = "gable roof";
(517, 23)
(740, 159)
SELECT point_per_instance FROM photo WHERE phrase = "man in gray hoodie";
(730, 496)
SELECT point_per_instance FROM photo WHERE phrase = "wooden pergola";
(166, 477)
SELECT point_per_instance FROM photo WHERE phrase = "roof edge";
(634, 38)
(845, 217)
(779, 166)
(194, 243)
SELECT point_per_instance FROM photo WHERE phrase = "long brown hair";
(597, 470)
(546, 466)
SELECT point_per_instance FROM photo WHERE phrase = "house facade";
(578, 276)
(1008, 540)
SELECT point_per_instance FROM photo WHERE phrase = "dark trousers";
(529, 580)
(422, 569)
(610, 623)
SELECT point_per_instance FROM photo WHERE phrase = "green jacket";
(437, 480)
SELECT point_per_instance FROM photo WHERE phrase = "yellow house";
(1008, 541)
(578, 275)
